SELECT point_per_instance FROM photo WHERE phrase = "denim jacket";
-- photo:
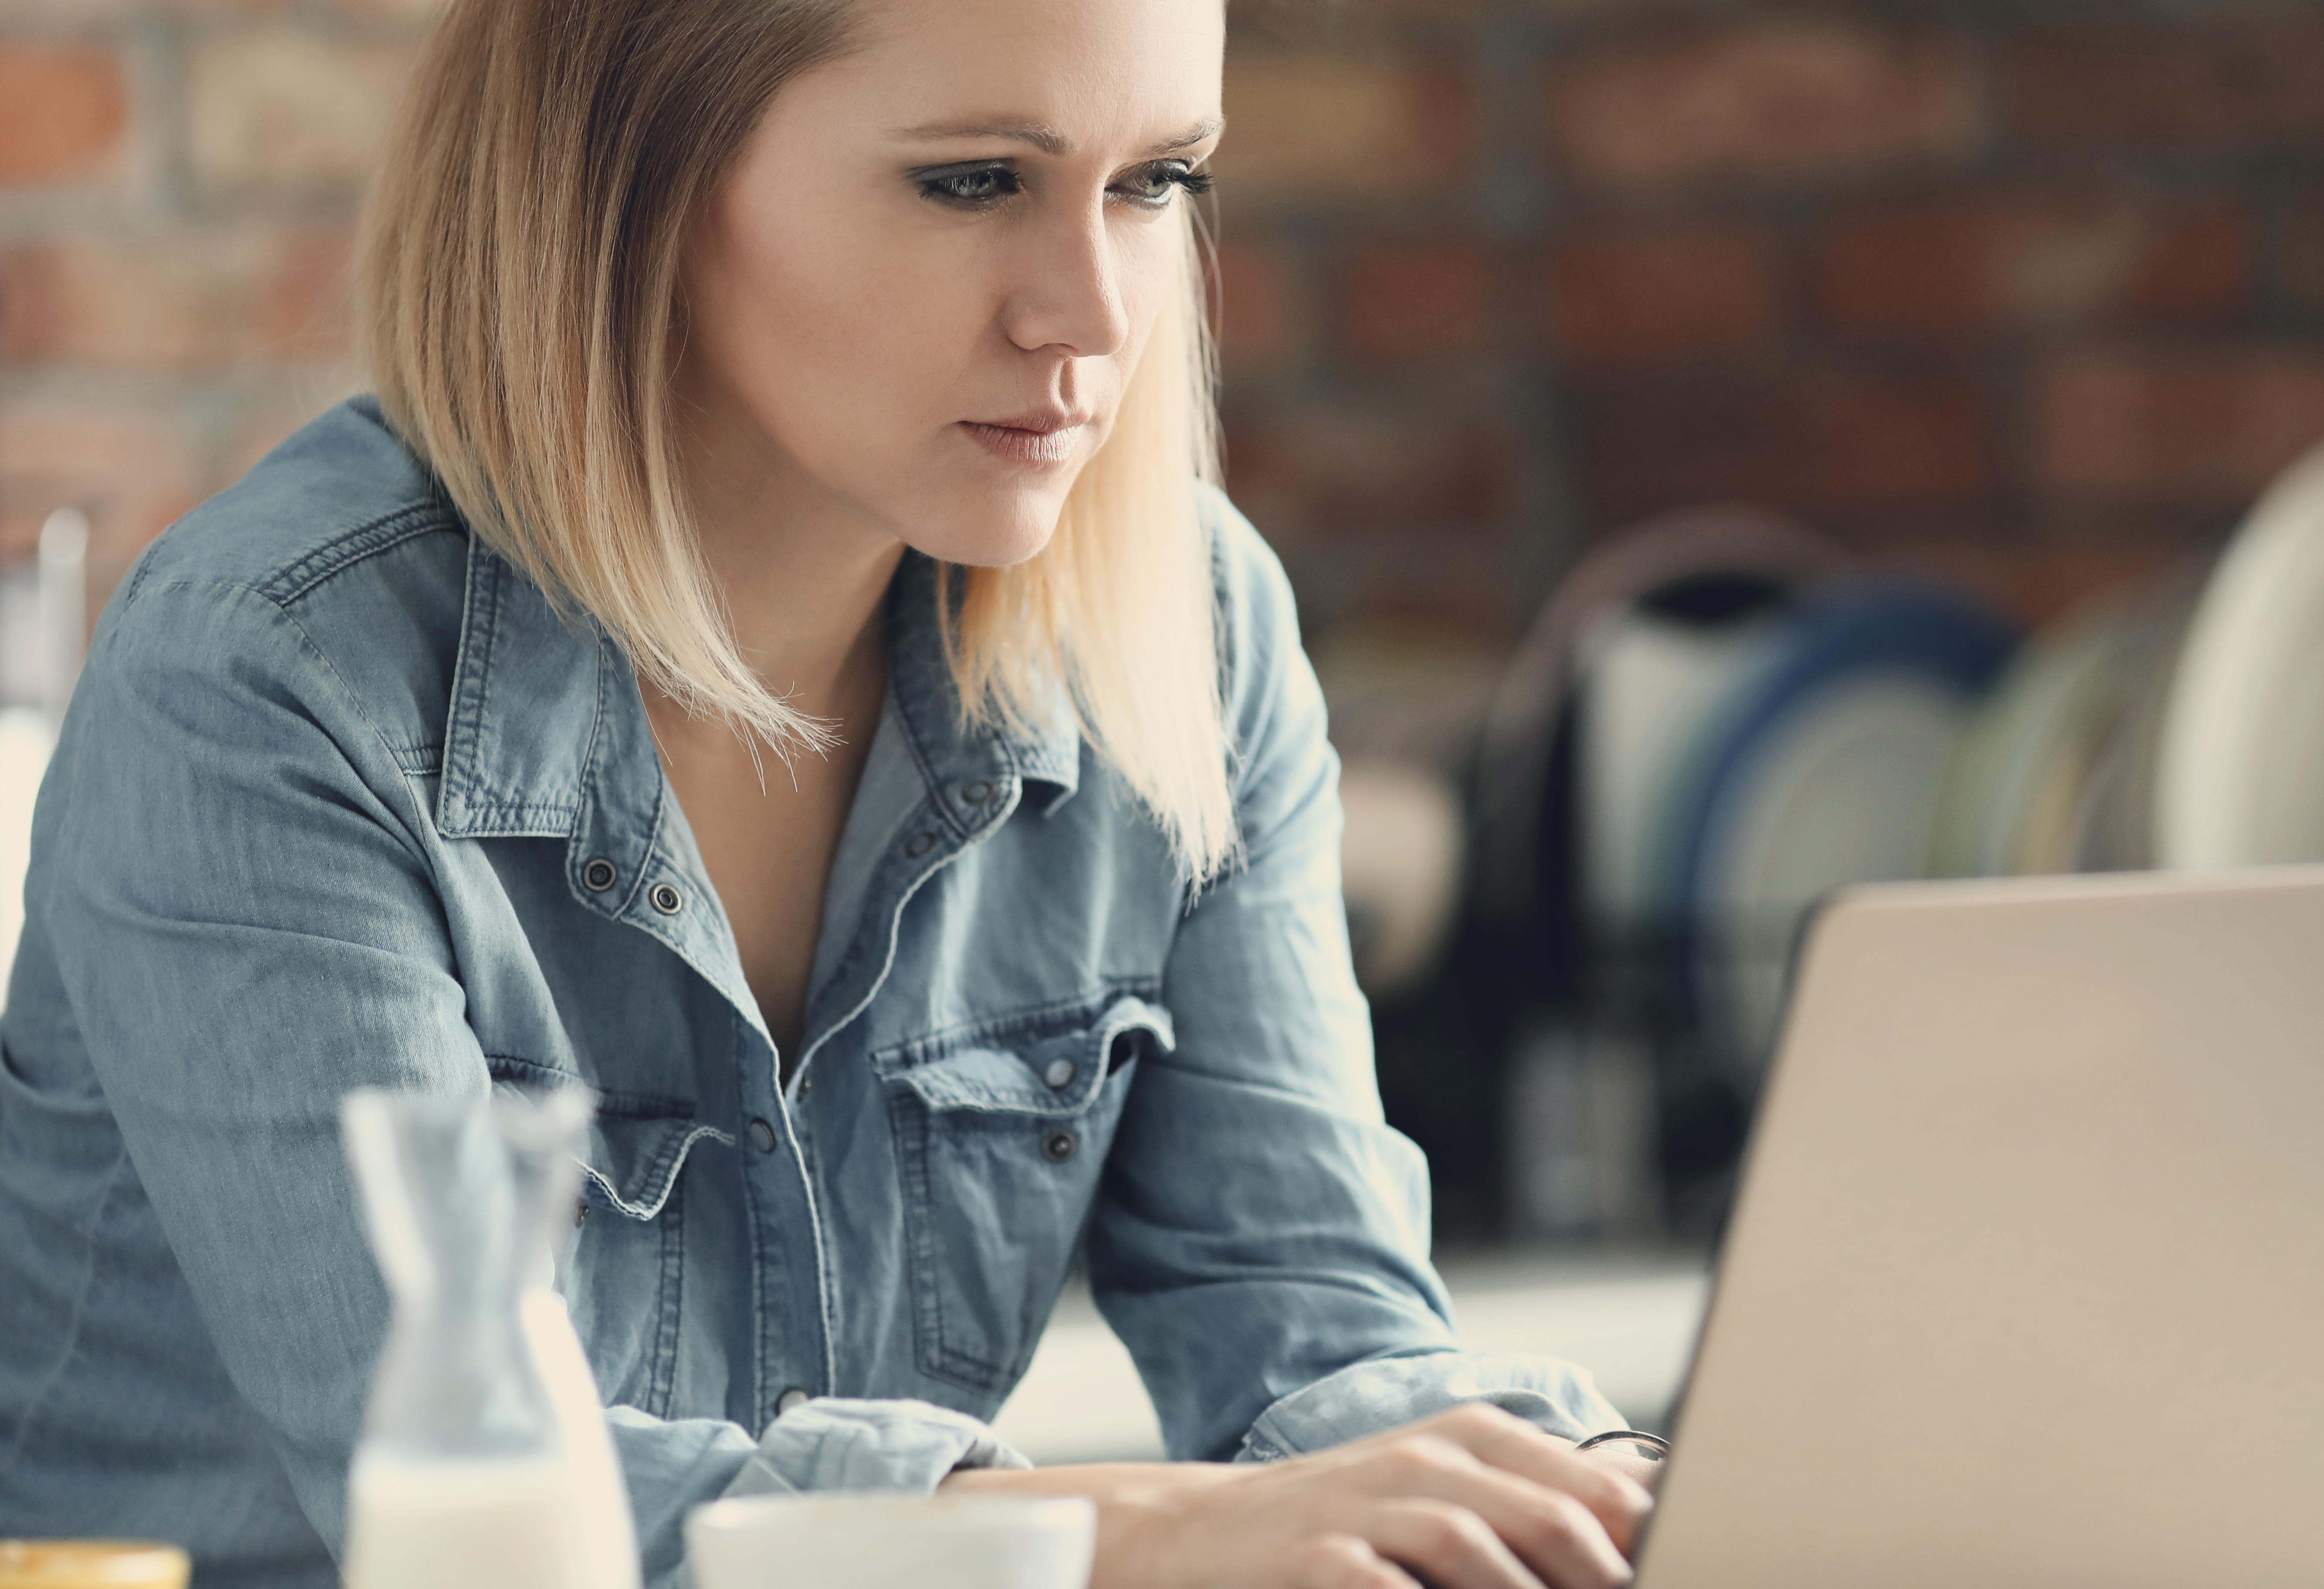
(342, 801)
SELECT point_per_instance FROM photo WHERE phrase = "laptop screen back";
(2026, 1281)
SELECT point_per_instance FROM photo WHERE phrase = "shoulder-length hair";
(518, 305)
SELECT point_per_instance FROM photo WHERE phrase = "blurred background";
(1724, 450)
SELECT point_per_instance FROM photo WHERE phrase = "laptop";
(2024, 1282)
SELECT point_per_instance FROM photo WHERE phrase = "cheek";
(854, 349)
(1148, 276)
(837, 346)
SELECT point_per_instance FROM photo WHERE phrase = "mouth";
(1044, 438)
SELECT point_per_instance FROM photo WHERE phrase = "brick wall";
(178, 187)
(2031, 292)
(2029, 289)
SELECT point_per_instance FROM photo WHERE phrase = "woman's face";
(918, 296)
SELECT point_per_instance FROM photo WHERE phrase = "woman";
(766, 653)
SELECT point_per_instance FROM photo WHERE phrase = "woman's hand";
(1470, 1499)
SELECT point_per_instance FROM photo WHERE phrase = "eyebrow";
(1048, 139)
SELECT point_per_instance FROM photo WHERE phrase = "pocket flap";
(638, 1142)
(1052, 1071)
(633, 1164)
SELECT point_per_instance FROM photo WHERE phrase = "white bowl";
(884, 1541)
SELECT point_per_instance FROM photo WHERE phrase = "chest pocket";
(621, 1273)
(1001, 1135)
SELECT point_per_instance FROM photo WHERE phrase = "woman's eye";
(1152, 184)
(975, 187)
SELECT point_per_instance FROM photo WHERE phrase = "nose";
(1068, 292)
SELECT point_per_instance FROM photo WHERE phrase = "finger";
(1506, 1441)
(1644, 1470)
(1451, 1547)
(1343, 1561)
(1552, 1532)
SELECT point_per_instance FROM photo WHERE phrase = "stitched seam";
(591, 775)
(934, 785)
(656, 860)
(826, 1297)
(335, 556)
(857, 954)
(574, 863)
(763, 1336)
(660, 1177)
(912, 1125)
(423, 820)
(563, 808)
(894, 912)
(137, 577)
(479, 622)
(825, 1303)
(354, 700)
(936, 1044)
(1028, 1106)
(625, 1106)
(662, 1375)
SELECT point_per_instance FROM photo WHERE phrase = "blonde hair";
(517, 289)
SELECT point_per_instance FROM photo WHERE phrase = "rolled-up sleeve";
(835, 1443)
(1262, 1241)
(1381, 1392)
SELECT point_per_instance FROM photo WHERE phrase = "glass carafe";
(484, 1459)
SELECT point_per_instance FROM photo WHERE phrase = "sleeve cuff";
(835, 1443)
(1383, 1392)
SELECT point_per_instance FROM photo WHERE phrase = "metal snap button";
(976, 793)
(1059, 1073)
(763, 1135)
(1058, 1146)
(599, 875)
(666, 899)
(790, 1400)
(922, 843)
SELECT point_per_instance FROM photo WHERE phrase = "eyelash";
(1164, 174)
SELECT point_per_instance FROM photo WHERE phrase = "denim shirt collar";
(949, 747)
(546, 725)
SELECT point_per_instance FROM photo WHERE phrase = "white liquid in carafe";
(597, 1498)
(462, 1525)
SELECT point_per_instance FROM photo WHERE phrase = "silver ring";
(1653, 1443)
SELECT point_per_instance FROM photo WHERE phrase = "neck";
(802, 574)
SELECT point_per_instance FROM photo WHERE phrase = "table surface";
(1631, 1320)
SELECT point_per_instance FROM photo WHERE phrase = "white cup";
(891, 1542)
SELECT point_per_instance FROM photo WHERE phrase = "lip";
(1044, 439)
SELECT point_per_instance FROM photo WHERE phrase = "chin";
(1005, 534)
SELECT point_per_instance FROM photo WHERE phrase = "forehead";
(1090, 68)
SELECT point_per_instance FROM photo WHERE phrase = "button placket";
(648, 883)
